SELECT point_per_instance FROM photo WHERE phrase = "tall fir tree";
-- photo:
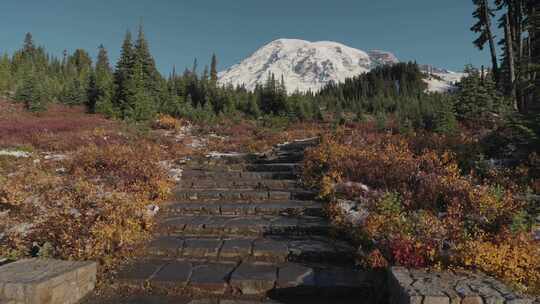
(28, 48)
(535, 46)
(5, 74)
(142, 54)
(484, 14)
(101, 89)
(123, 73)
(213, 70)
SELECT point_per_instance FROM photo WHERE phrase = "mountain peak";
(304, 65)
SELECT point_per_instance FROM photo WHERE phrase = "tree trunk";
(510, 58)
(519, 62)
(492, 48)
(534, 19)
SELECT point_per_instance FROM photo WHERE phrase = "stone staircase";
(243, 228)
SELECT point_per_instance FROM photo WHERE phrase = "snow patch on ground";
(15, 153)
(443, 82)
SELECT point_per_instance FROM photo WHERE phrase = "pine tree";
(445, 118)
(139, 105)
(253, 108)
(213, 70)
(5, 74)
(29, 48)
(123, 73)
(31, 94)
(80, 60)
(101, 90)
(484, 14)
(478, 96)
(150, 73)
(535, 54)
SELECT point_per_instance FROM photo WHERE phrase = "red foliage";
(409, 253)
(59, 128)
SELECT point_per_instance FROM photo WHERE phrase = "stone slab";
(211, 277)
(46, 281)
(202, 248)
(176, 273)
(140, 271)
(254, 278)
(165, 246)
(268, 249)
(446, 287)
(293, 275)
(236, 248)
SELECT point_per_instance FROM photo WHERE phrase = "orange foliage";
(430, 209)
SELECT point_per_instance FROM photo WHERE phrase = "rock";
(46, 281)
(152, 210)
(254, 279)
(211, 277)
(449, 288)
(15, 153)
(294, 275)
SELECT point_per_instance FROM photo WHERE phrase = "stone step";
(299, 145)
(241, 195)
(244, 208)
(237, 183)
(210, 225)
(182, 276)
(277, 249)
(281, 157)
(227, 174)
(250, 167)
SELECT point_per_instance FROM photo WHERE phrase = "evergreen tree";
(213, 70)
(74, 93)
(29, 48)
(123, 73)
(478, 97)
(484, 15)
(445, 118)
(139, 106)
(253, 108)
(81, 61)
(101, 89)
(5, 74)
(535, 54)
(150, 73)
(31, 94)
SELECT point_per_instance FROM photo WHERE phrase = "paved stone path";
(243, 227)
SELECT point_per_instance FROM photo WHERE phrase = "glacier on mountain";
(309, 66)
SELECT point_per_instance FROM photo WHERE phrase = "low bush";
(422, 209)
(167, 122)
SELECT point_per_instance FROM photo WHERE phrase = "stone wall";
(45, 281)
(412, 286)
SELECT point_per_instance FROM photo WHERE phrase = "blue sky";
(429, 31)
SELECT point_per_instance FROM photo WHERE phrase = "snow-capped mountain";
(304, 65)
(308, 65)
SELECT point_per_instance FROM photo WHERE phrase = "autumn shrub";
(60, 128)
(76, 216)
(90, 204)
(132, 168)
(255, 136)
(517, 259)
(167, 122)
(423, 209)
